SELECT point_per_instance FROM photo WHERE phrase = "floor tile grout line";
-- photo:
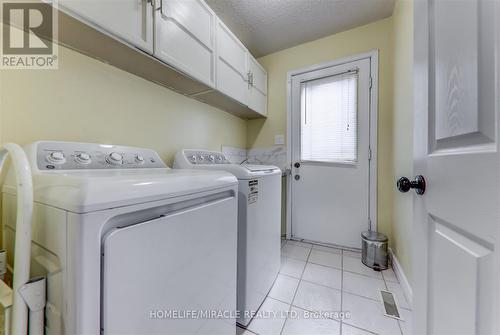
(311, 311)
(363, 329)
(342, 291)
(295, 293)
(287, 275)
(362, 274)
(333, 319)
(326, 266)
(361, 296)
(322, 285)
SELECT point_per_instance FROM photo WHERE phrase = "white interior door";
(330, 134)
(455, 255)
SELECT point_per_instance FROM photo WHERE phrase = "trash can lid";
(371, 235)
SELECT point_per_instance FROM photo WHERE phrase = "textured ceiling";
(266, 26)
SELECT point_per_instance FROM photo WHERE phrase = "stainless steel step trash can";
(374, 250)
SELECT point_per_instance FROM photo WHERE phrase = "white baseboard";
(405, 284)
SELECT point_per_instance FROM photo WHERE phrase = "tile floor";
(315, 278)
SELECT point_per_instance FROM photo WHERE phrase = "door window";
(329, 119)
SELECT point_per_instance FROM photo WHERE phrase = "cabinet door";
(130, 20)
(257, 90)
(185, 38)
(231, 64)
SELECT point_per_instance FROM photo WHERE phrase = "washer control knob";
(114, 158)
(193, 158)
(211, 158)
(56, 157)
(83, 158)
(139, 159)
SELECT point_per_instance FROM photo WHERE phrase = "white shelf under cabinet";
(100, 41)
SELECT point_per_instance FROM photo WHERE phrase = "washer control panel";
(205, 157)
(75, 156)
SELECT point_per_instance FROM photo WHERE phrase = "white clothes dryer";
(128, 245)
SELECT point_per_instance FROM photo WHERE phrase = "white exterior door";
(330, 140)
(130, 20)
(456, 221)
(185, 38)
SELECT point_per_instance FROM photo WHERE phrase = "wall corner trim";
(403, 280)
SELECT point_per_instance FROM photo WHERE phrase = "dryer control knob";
(114, 158)
(56, 157)
(83, 158)
(139, 159)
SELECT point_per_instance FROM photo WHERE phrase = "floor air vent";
(390, 306)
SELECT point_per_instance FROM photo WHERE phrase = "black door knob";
(296, 165)
(404, 184)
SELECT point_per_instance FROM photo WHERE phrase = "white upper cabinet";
(185, 38)
(257, 86)
(130, 20)
(186, 35)
(232, 69)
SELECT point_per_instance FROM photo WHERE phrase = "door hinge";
(156, 4)
(371, 82)
(369, 153)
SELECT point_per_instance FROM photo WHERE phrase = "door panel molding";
(455, 62)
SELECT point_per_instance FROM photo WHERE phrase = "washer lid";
(92, 190)
(260, 168)
(244, 171)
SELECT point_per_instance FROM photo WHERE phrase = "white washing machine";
(259, 224)
(128, 245)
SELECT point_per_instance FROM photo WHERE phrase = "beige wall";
(87, 100)
(377, 35)
(403, 129)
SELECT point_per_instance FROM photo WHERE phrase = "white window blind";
(329, 119)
